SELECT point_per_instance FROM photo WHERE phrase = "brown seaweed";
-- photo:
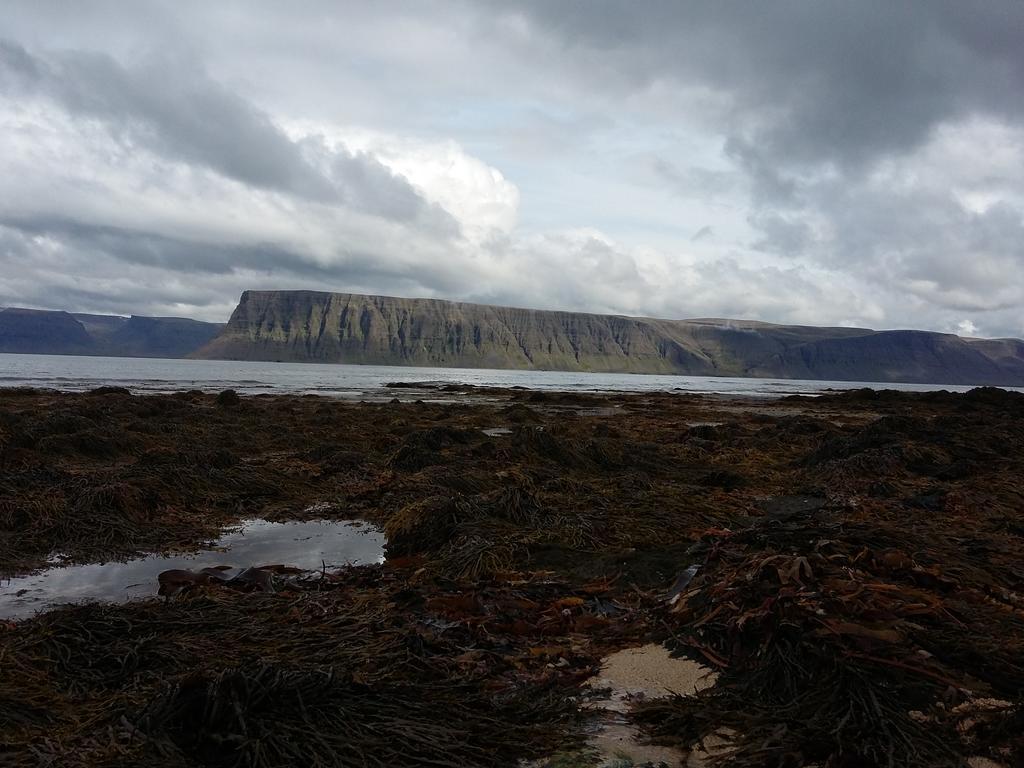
(855, 563)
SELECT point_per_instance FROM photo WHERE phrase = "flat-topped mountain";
(45, 332)
(312, 326)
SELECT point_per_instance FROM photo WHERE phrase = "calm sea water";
(356, 381)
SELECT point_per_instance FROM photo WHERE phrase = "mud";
(858, 559)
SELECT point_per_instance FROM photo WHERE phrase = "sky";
(824, 163)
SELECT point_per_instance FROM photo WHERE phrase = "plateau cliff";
(311, 326)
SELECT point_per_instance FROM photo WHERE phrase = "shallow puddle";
(306, 545)
(632, 675)
(497, 431)
(627, 677)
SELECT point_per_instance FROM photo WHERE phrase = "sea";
(150, 375)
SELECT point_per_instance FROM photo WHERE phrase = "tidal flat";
(847, 568)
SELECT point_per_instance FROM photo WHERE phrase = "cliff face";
(44, 332)
(350, 328)
(23, 330)
(309, 326)
(167, 337)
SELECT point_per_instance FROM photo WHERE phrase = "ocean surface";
(75, 374)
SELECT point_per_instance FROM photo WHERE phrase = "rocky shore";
(846, 568)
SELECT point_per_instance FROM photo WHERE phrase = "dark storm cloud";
(811, 81)
(171, 106)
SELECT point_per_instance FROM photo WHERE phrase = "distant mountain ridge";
(313, 326)
(37, 331)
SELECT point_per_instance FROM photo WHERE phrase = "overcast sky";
(847, 163)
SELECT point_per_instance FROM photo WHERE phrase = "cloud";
(189, 117)
(695, 181)
(966, 328)
(823, 82)
(878, 141)
(944, 223)
(702, 233)
(831, 163)
(478, 196)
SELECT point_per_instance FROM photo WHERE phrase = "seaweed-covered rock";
(228, 398)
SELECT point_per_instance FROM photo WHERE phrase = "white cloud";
(935, 232)
(477, 195)
(525, 153)
(966, 328)
(122, 228)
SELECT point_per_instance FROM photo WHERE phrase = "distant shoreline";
(82, 373)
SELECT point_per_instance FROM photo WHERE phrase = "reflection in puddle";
(306, 545)
(497, 431)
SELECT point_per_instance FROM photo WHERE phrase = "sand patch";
(650, 672)
(631, 675)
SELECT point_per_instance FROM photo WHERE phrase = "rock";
(228, 398)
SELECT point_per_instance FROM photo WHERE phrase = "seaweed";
(836, 647)
(364, 667)
(853, 564)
